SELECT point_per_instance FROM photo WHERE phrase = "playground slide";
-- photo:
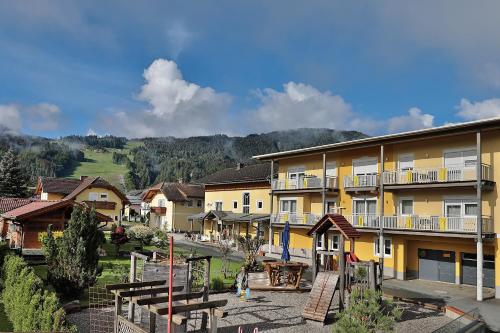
(321, 296)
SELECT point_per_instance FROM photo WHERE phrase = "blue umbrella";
(285, 239)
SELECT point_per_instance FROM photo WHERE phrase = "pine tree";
(12, 176)
(75, 264)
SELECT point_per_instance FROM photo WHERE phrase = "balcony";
(358, 183)
(459, 224)
(304, 184)
(107, 205)
(159, 210)
(295, 218)
(437, 176)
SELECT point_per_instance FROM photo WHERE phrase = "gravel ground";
(282, 312)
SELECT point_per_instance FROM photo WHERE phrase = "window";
(199, 203)
(406, 162)
(365, 206)
(466, 158)
(218, 206)
(189, 203)
(288, 206)
(103, 196)
(93, 196)
(246, 203)
(387, 247)
(334, 242)
(331, 207)
(260, 204)
(406, 207)
(235, 204)
(320, 241)
(460, 207)
(44, 196)
(296, 173)
(161, 203)
(331, 169)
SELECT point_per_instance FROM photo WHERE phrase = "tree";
(12, 176)
(225, 250)
(118, 237)
(73, 259)
(251, 247)
(367, 312)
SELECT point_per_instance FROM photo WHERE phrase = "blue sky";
(158, 68)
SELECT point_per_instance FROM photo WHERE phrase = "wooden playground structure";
(142, 305)
(341, 274)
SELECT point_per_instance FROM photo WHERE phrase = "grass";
(116, 268)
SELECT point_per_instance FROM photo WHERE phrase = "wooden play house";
(339, 269)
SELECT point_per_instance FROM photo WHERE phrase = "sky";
(185, 68)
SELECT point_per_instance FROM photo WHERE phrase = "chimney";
(83, 177)
(239, 166)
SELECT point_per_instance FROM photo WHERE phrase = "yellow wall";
(115, 214)
(176, 217)
(52, 196)
(228, 196)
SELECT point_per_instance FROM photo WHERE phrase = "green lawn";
(115, 269)
(100, 164)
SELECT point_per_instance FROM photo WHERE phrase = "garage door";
(469, 270)
(436, 265)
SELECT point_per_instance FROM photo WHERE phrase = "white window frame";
(376, 243)
(331, 242)
(400, 206)
(199, 203)
(162, 203)
(410, 156)
(93, 196)
(459, 150)
(103, 196)
(221, 205)
(365, 199)
(298, 171)
(329, 202)
(243, 205)
(332, 166)
(235, 204)
(288, 199)
(459, 201)
(189, 203)
(261, 203)
(365, 159)
(320, 240)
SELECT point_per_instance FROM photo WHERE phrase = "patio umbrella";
(285, 239)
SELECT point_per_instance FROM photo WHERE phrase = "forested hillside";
(136, 164)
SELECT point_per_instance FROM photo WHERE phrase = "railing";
(295, 218)
(304, 183)
(159, 210)
(108, 205)
(467, 322)
(435, 175)
(361, 181)
(422, 223)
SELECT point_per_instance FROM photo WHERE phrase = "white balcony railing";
(435, 175)
(295, 218)
(423, 223)
(361, 181)
(304, 183)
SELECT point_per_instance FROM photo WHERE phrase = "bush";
(141, 233)
(217, 284)
(161, 239)
(28, 305)
(118, 237)
(368, 312)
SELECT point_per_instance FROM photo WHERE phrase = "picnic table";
(287, 273)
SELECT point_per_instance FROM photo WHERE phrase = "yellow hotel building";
(414, 193)
(237, 203)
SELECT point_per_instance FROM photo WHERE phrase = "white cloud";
(414, 120)
(177, 107)
(488, 108)
(299, 105)
(37, 117)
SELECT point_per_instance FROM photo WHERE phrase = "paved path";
(462, 297)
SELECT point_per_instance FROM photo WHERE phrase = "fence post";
(206, 289)
(133, 268)
(118, 311)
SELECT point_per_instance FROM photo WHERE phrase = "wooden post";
(372, 275)
(342, 273)
(206, 290)
(313, 257)
(118, 310)
(133, 268)
(213, 321)
(189, 278)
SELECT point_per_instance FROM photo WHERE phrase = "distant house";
(133, 210)
(171, 203)
(24, 219)
(94, 191)
(237, 202)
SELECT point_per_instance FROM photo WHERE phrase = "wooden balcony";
(305, 184)
(159, 210)
(107, 205)
(443, 224)
(459, 176)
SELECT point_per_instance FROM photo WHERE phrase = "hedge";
(28, 305)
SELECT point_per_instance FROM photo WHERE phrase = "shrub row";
(29, 306)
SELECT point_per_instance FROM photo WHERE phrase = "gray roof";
(245, 174)
(226, 216)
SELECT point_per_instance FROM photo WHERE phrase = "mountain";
(138, 163)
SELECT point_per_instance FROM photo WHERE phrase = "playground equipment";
(147, 295)
(347, 273)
